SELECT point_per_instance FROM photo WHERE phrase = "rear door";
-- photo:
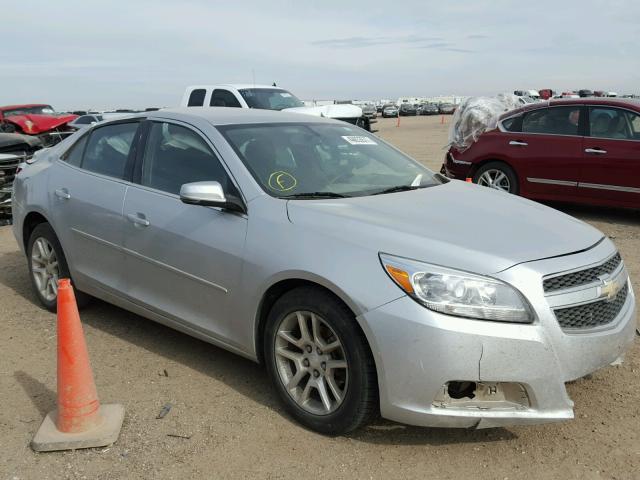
(611, 172)
(182, 261)
(87, 188)
(548, 151)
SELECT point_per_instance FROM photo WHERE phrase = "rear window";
(108, 149)
(511, 124)
(553, 121)
(73, 156)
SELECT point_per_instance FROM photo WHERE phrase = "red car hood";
(35, 124)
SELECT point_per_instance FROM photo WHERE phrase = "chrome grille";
(583, 277)
(593, 314)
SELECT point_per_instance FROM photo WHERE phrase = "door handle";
(63, 193)
(596, 151)
(138, 220)
(518, 143)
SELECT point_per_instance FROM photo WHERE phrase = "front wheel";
(497, 175)
(320, 362)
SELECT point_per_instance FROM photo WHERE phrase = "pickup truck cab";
(267, 97)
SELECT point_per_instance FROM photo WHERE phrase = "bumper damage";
(442, 371)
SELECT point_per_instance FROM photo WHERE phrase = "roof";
(233, 116)
(237, 86)
(632, 103)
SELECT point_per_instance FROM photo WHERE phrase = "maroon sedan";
(576, 150)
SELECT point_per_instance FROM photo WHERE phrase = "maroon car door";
(611, 168)
(548, 152)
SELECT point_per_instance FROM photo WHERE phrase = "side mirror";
(210, 194)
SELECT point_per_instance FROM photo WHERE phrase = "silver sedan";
(363, 281)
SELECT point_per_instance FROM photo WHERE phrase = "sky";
(141, 53)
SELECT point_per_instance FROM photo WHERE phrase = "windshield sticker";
(282, 181)
(285, 94)
(358, 140)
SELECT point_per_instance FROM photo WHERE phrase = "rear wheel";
(320, 362)
(47, 264)
(497, 175)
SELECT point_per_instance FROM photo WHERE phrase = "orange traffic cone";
(80, 421)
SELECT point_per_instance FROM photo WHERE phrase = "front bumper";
(417, 351)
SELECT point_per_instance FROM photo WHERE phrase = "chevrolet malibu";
(363, 282)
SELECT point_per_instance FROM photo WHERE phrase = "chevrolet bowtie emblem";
(610, 288)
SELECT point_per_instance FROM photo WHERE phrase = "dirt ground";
(229, 423)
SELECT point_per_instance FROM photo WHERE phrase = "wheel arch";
(30, 222)
(493, 158)
(277, 289)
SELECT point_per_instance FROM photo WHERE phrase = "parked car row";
(583, 150)
(408, 109)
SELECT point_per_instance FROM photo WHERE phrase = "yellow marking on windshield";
(282, 181)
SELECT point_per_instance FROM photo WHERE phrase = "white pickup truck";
(268, 98)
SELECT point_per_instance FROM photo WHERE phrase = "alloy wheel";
(44, 268)
(311, 362)
(496, 179)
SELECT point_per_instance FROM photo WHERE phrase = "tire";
(357, 402)
(500, 172)
(44, 240)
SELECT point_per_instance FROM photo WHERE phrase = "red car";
(571, 150)
(35, 119)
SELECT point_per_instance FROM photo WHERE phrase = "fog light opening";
(459, 390)
(461, 394)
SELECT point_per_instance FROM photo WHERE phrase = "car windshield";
(37, 110)
(313, 160)
(270, 98)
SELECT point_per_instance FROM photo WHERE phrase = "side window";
(108, 149)
(73, 156)
(224, 98)
(84, 120)
(196, 99)
(614, 123)
(553, 121)
(512, 124)
(176, 155)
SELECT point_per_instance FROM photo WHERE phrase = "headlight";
(457, 293)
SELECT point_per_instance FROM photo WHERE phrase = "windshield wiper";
(316, 195)
(397, 188)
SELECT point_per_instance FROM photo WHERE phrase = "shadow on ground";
(610, 215)
(43, 398)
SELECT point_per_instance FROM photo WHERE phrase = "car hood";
(35, 124)
(329, 111)
(457, 224)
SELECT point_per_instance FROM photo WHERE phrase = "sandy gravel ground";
(227, 419)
